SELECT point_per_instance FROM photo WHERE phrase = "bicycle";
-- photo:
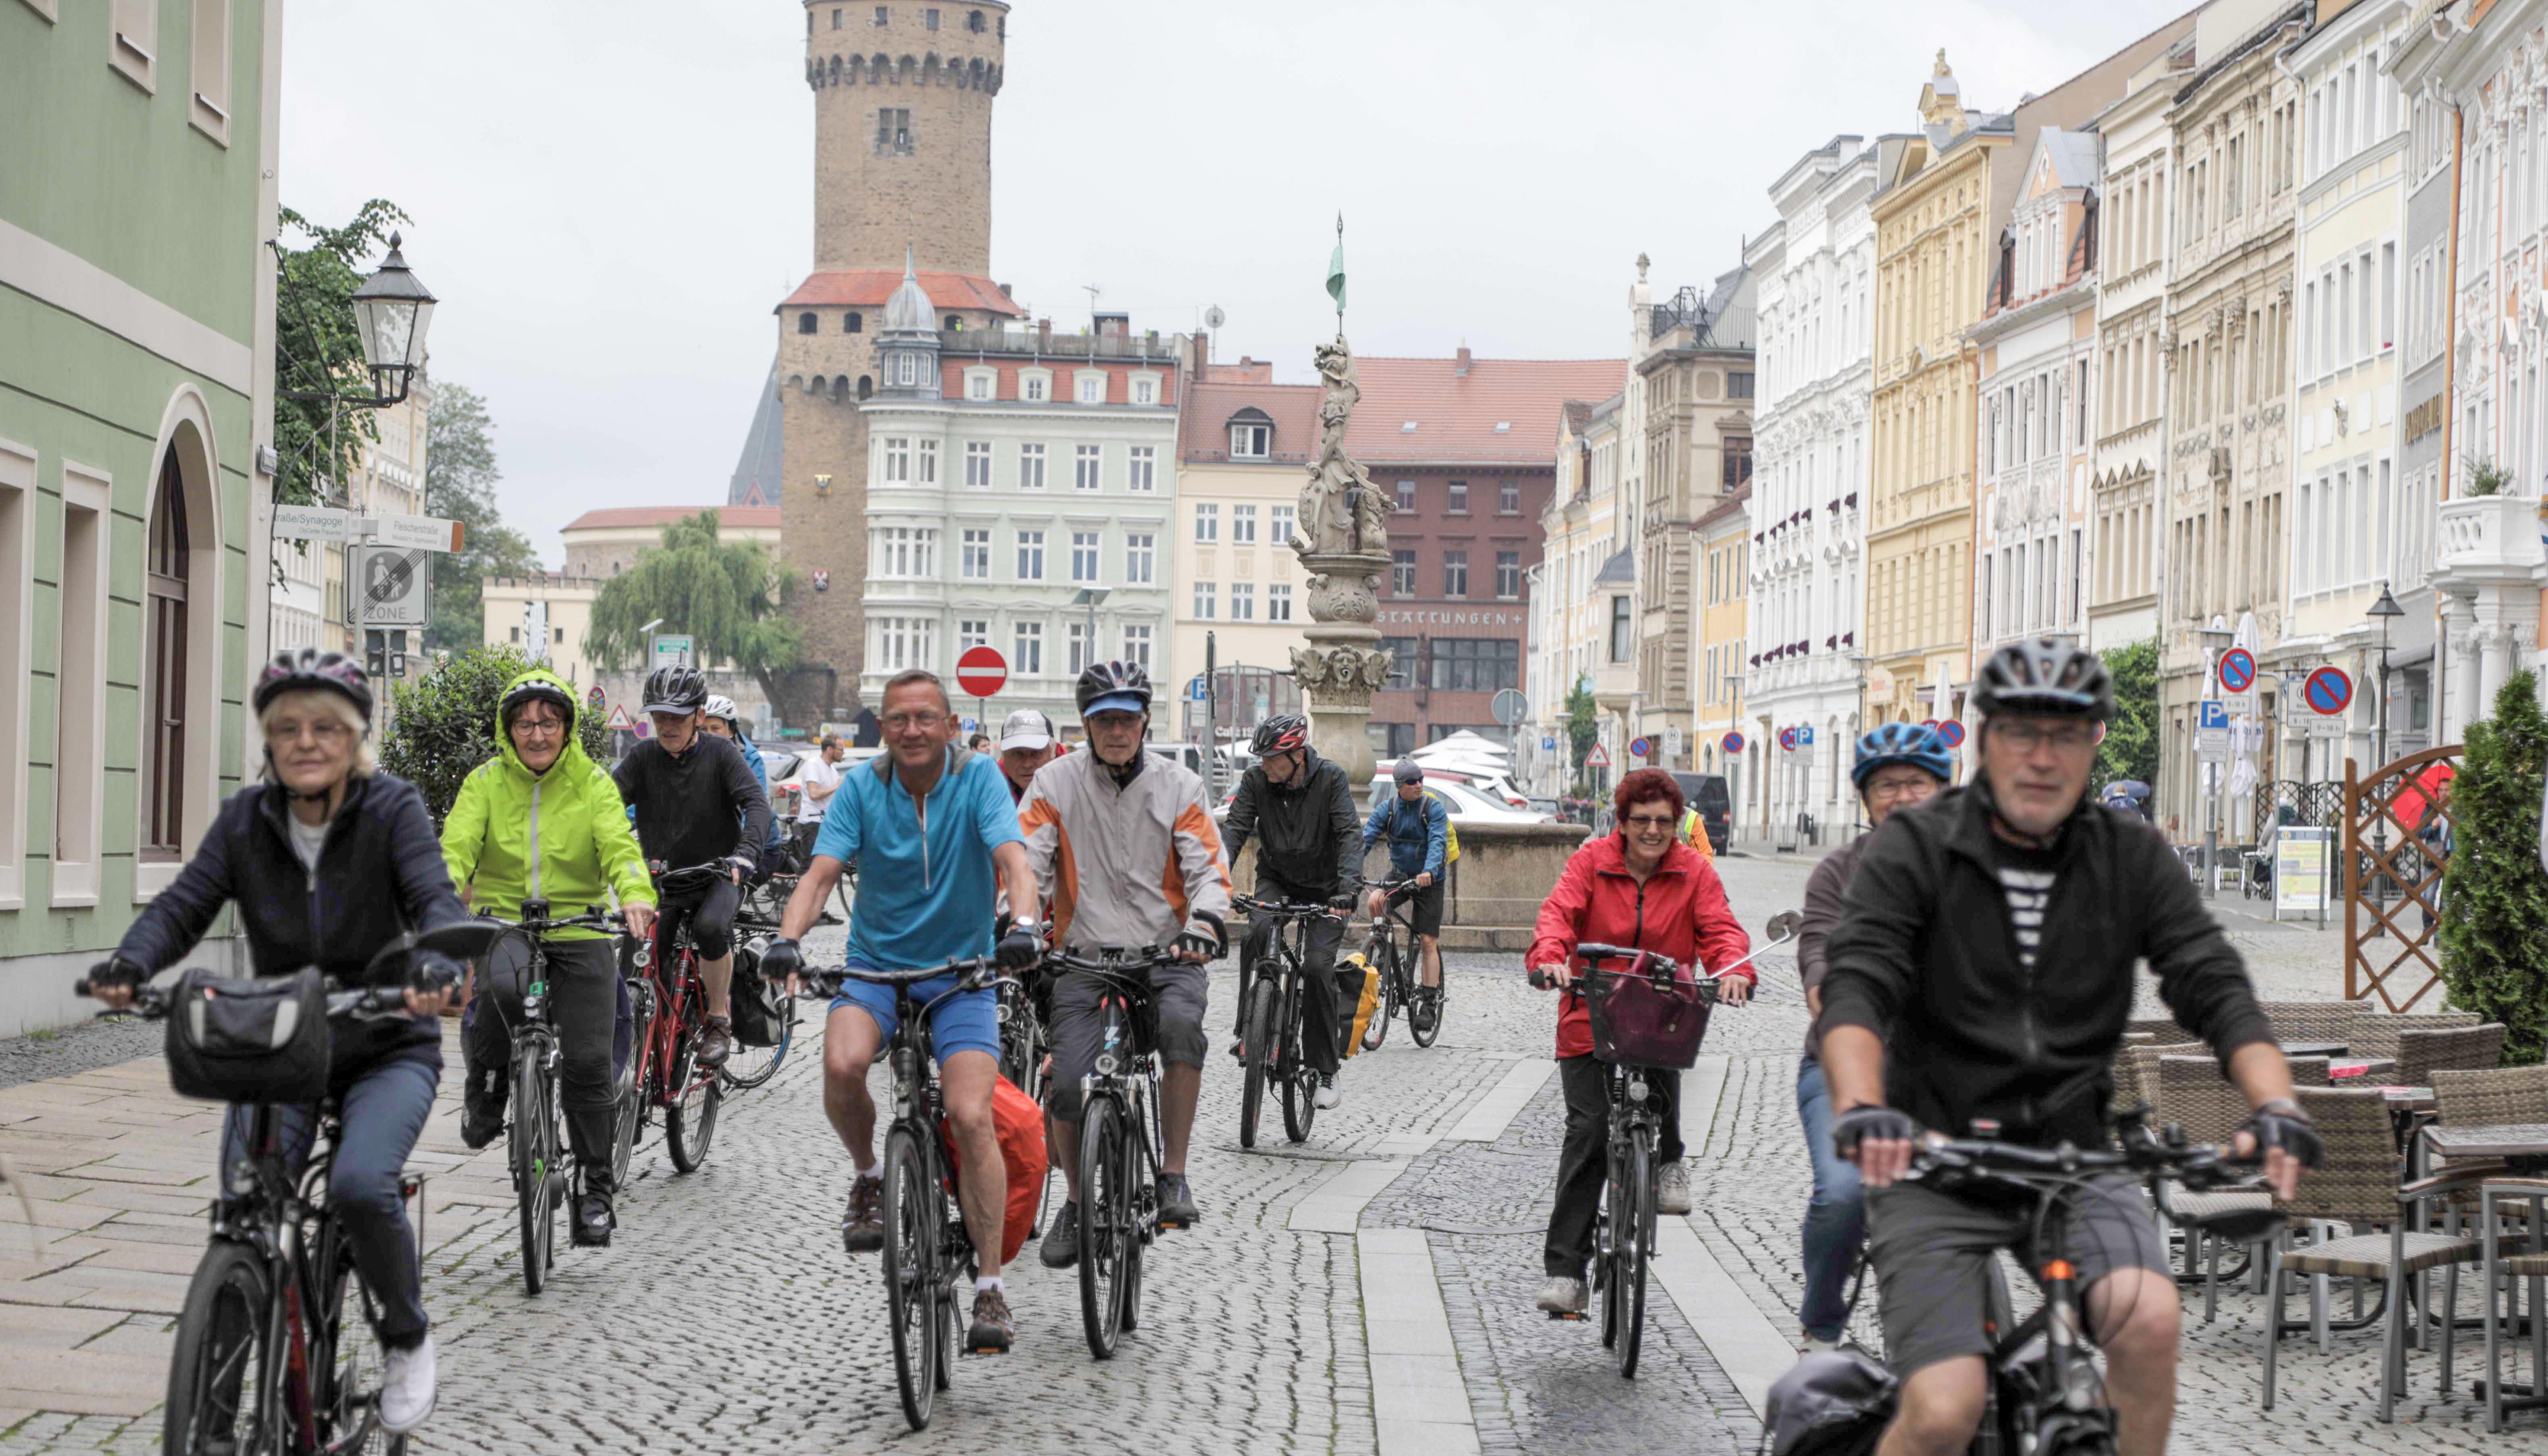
(671, 1008)
(1398, 955)
(1271, 1025)
(1121, 1154)
(265, 1363)
(928, 1256)
(535, 1145)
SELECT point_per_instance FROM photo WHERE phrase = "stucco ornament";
(1342, 540)
(1340, 509)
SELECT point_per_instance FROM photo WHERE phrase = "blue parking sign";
(2215, 714)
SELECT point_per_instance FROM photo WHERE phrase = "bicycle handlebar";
(591, 919)
(2198, 1165)
(151, 1003)
(1278, 909)
(972, 973)
(1144, 958)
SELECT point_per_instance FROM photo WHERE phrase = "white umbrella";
(1942, 702)
(2246, 734)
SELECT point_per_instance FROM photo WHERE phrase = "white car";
(1465, 803)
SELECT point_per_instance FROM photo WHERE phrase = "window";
(79, 711)
(1030, 467)
(977, 464)
(1083, 556)
(1507, 575)
(1250, 442)
(977, 386)
(1140, 559)
(976, 548)
(851, 324)
(1203, 600)
(1242, 602)
(211, 74)
(893, 129)
(906, 553)
(905, 642)
(1623, 632)
(897, 461)
(1092, 389)
(1030, 556)
(1075, 647)
(136, 48)
(1207, 522)
(1402, 572)
(1142, 476)
(930, 18)
(1738, 384)
(1474, 664)
(882, 14)
(1031, 386)
(805, 323)
(1738, 460)
(1455, 574)
(906, 369)
(1406, 497)
(1508, 497)
(1083, 468)
(165, 641)
(1243, 525)
(1279, 531)
(929, 461)
(1458, 503)
(1145, 392)
(1136, 645)
(836, 17)
(1278, 602)
(973, 632)
(1028, 659)
(1402, 656)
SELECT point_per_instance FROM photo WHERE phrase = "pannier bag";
(1352, 969)
(753, 1002)
(249, 1041)
(1833, 1402)
(1634, 1024)
(1018, 1120)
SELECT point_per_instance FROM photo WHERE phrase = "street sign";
(1510, 708)
(417, 532)
(2237, 671)
(1951, 734)
(2323, 725)
(389, 587)
(1637, 747)
(1731, 743)
(619, 715)
(1548, 743)
(1672, 743)
(313, 523)
(2215, 714)
(1198, 691)
(673, 650)
(2330, 691)
(1599, 758)
(1804, 735)
(969, 725)
(2212, 732)
(1787, 739)
(593, 697)
(981, 671)
(1928, 723)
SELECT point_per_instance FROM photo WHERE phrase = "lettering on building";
(1415, 616)
(2425, 418)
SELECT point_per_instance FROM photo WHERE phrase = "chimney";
(1463, 370)
(1202, 352)
(1044, 333)
(1004, 291)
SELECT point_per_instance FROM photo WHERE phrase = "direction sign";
(313, 523)
(2237, 671)
(981, 671)
(391, 588)
(1787, 739)
(1599, 758)
(675, 650)
(418, 532)
(1951, 734)
(2329, 689)
(1732, 743)
(1638, 747)
(1509, 708)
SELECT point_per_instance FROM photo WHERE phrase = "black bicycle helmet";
(538, 689)
(2041, 678)
(1114, 688)
(312, 668)
(1279, 734)
(675, 690)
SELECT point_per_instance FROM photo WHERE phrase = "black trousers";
(1320, 984)
(1585, 1161)
(584, 1004)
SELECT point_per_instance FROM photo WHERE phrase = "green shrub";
(2494, 895)
(2486, 478)
(443, 724)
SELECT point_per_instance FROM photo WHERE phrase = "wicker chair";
(2502, 1194)
(2314, 1021)
(2478, 1099)
(2309, 1071)
(2194, 1095)
(2357, 1184)
(2165, 1027)
(2457, 1049)
(2376, 1033)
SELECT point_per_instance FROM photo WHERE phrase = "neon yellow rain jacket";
(558, 836)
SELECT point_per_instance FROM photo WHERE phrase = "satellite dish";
(1213, 318)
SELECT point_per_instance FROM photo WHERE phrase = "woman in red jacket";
(1642, 887)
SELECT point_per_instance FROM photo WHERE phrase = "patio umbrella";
(1942, 702)
(2408, 807)
(2246, 734)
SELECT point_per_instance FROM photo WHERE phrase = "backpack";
(1450, 832)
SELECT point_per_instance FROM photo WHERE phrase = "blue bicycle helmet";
(1888, 744)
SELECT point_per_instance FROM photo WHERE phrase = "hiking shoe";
(1672, 1190)
(1563, 1296)
(993, 1329)
(1329, 1096)
(407, 1388)
(716, 1042)
(482, 1111)
(1060, 1247)
(594, 1220)
(863, 1226)
(1176, 1202)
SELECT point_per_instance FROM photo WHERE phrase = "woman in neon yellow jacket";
(541, 821)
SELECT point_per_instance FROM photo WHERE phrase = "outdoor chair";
(2484, 1099)
(2458, 1049)
(2316, 1020)
(2377, 1032)
(2308, 1071)
(2527, 1197)
(2162, 1027)
(2194, 1096)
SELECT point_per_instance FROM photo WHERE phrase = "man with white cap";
(1025, 745)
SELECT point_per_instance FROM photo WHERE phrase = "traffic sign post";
(1599, 758)
(1732, 744)
(982, 672)
(394, 587)
(2237, 671)
(1951, 734)
(673, 650)
(1787, 739)
(1639, 748)
(1511, 708)
(1672, 744)
(2329, 690)
(2212, 732)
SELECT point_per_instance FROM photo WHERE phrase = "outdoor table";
(2315, 1049)
(2409, 1107)
(2525, 1146)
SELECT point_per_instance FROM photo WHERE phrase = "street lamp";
(2385, 608)
(391, 311)
(1090, 598)
(2216, 641)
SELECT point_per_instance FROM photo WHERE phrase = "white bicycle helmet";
(719, 706)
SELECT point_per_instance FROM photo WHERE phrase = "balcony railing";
(2489, 534)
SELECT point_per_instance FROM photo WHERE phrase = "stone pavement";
(1368, 1292)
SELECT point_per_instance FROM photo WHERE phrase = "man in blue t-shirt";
(931, 825)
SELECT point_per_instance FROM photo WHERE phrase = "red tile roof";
(1456, 415)
(869, 288)
(764, 518)
(1294, 408)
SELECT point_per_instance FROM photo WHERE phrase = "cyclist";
(1125, 855)
(694, 802)
(328, 861)
(1299, 809)
(1026, 746)
(542, 821)
(1419, 831)
(931, 825)
(1640, 886)
(1899, 766)
(720, 717)
(1983, 968)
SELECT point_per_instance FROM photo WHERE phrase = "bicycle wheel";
(1636, 1235)
(347, 1357)
(534, 1159)
(1260, 1040)
(221, 1372)
(1105, 1224)
(751, 1066)
(911, 1293)
(1423, 1002)
(690, 1124)
(1377, 1029)
(1300, 1080)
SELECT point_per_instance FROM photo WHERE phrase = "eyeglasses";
(1650, 822)
(326, 730)
(2028, 737)
(1901, 788)
(537, 727)
(905, 722)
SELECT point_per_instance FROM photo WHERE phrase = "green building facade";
(136, 306)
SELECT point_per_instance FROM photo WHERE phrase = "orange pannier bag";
(1018, 1120)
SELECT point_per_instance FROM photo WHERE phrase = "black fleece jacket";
(1309, 837)
(686, 806)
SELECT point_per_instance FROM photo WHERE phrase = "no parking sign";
(2237, 671)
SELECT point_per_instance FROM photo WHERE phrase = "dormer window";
(1251, 435)
(906, 369)
(1031, 386)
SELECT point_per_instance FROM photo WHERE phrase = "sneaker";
(1238, 1049)
(1814, 1346)
(1329, 1096)
(863, 1226)
(1563, 1296)
(1060, 1247)
(1176, 1202)
(482, 1111)
(1672, 1190)
(716, 1042)
(407, 1388)
(594, 1220)
(993, 1329)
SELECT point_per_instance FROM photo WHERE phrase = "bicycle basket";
(249, 1041)
(1634, 1024)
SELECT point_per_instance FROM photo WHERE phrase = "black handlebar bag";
(260, 1040)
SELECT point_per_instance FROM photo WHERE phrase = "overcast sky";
(610, 199)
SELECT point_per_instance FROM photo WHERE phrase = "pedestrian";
(818, 780)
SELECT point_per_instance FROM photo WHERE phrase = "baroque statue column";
(1342, 540)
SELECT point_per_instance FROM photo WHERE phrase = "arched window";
(804, 323)
(853, 323)
(866, 385)
(973, 22)
(163, 733)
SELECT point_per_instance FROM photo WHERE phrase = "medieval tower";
(902, 169)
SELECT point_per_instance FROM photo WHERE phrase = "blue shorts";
(969, 1021)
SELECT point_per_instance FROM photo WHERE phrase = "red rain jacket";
(1680, 912)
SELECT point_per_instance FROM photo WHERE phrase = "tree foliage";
(2494, 895)
(2130, 749)
(1583, 727)
(318, 351)
(726, 596)
(460, 476)
(442, 725)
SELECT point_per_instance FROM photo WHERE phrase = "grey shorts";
(1180, 993)
(1933, 1252)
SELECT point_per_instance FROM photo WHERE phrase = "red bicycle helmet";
(1280, 734)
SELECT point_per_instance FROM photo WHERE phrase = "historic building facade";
(1582, 598)
(1245, 453)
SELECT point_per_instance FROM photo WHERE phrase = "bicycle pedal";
(1576, 1318)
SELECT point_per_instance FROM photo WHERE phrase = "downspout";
(2450, 429)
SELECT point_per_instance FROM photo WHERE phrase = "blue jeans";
(1836, 1216)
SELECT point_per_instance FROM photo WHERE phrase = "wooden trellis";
(2392, 879)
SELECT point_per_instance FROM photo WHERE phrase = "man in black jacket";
(1300, 810)
(1982, 968)
(697, 802)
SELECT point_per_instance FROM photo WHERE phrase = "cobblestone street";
(1370, 1291)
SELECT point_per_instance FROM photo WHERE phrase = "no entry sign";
(2237, 671)
(981, 671)
(2330, 691)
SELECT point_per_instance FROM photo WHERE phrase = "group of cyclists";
(1968, 962)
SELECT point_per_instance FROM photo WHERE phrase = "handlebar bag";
(1018, 1121)
(1831, 1404)
(756, 1015)
(260, 1040)
(1637, 1023)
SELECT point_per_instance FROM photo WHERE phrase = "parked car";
(1714, 801)
(1466, 802)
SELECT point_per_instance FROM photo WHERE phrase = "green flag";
(1336, 266)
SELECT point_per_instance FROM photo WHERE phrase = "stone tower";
(903, 191)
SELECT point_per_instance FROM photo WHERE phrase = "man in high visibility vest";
(1694, 833)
